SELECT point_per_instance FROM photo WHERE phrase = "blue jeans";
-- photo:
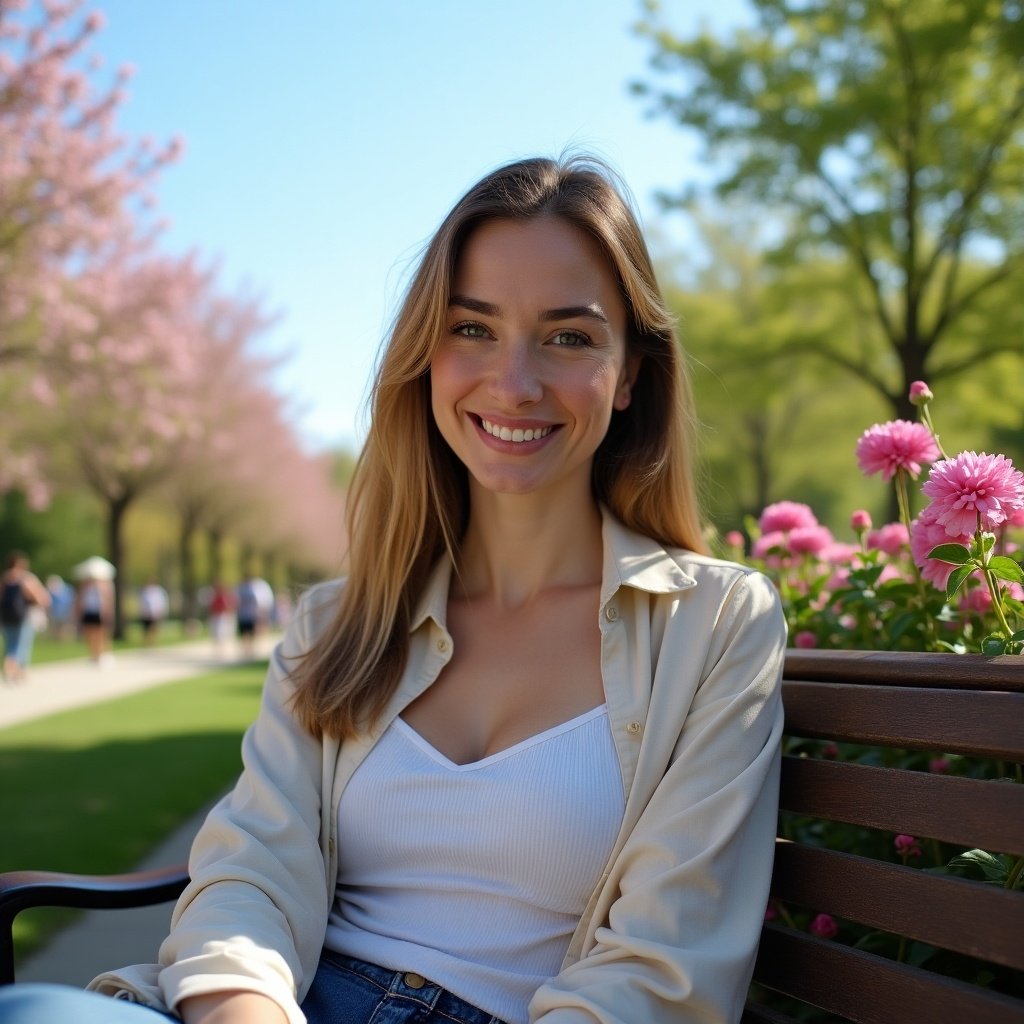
(344, 991)
(18, 642)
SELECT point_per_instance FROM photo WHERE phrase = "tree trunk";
(187, 569)
(116, 509)
(215, 554)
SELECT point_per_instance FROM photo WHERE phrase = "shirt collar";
(630, 560)
(633, 560)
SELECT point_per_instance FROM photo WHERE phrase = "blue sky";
(326, 139)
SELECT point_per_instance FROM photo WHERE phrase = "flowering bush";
(949, 579)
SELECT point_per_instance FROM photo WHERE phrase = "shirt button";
(442, 646)
(611, 613)
(414, 980)
(633, 728)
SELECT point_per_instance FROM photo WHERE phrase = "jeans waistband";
(410, 985)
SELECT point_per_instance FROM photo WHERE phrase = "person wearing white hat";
(94, 604)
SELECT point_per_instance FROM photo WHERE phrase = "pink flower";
(860, 521)
(809, 540)
(786, 515)
(899, 444)
(906, 846)
(974, 489)
(839, 553)
(830, 751)
(805, 639)
(1015, 518)
(766, 542)
(734, 539)
(891, 538)
(977, 599)
(938, 765)
(920, 393)
(824, 926)
(925, 534)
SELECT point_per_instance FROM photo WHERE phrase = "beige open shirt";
(691, 656)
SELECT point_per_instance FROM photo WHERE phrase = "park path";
(99, 940)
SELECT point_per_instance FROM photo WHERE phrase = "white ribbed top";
(476, 875)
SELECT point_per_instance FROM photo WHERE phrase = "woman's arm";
(35, 591)
(686, 896)
(231, 1008)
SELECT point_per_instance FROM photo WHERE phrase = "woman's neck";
(516, 547)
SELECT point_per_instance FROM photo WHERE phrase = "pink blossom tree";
(68, 183)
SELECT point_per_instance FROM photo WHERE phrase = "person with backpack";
(19, 591)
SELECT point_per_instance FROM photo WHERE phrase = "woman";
(94, 610)
(20, 592)
(522, 764)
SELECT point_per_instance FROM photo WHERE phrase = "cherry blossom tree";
(68, 184)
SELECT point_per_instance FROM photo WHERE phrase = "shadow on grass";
(102, 807)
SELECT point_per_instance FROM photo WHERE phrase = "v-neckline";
(546, 734)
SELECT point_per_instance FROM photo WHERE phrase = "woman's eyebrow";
(593, 311)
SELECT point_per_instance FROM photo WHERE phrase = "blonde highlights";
(409, 501)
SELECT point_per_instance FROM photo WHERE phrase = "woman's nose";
(515, 379)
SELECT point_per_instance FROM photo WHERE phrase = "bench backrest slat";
(979, 723)
(965, 812)
(908, 669)
(903, 932)
(969, 917)
(867, 989)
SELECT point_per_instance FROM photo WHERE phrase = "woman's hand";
(231, 1008)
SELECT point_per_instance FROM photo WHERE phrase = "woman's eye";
(570, 338)
(470, 330)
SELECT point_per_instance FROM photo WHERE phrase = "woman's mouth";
(516, 434)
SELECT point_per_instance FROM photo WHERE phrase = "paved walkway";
(99, 940)
(59, 685)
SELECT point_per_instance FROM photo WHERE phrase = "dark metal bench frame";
(970, 704)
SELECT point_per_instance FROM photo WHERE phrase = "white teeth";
(517, 435)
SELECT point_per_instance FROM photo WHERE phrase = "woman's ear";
(624, 391)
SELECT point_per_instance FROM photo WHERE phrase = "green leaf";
(956, 579)
(1006, 569)
(955, 553)
(995, 869)
(993, 644)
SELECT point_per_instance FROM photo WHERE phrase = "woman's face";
(533, 360)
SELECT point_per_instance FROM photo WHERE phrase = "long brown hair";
(409, 500)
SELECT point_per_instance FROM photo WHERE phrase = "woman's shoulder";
(319, 603)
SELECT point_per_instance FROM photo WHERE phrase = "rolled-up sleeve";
(254, 915)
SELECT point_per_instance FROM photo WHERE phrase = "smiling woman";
(523, 392)
(522, 764)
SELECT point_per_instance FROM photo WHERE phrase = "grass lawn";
(47, 648)
(94, 789)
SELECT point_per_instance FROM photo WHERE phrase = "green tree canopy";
(887, 133)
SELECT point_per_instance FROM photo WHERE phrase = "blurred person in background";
(62, 606)
(220, 611)
(94, 612)
(154, 606)
(22, 600)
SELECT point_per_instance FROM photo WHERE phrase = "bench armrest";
(20, 890)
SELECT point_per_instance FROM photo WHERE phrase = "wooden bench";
(894, 704)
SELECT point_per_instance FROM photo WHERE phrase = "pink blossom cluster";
(974, 491)
(824, 926)
(898, 445)
(127, 369)
(968, 493)
(907, 846)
